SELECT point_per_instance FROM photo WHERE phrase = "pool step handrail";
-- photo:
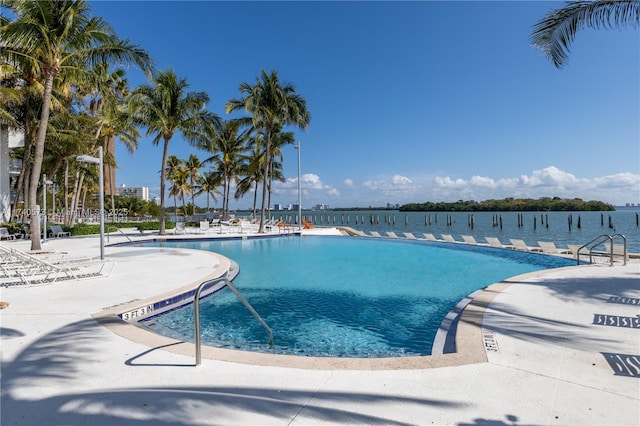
(115, 228)
(196, 313)
(604, 239)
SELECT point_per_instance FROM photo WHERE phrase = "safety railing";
(610, 252)
(113, 228)
(196, 313)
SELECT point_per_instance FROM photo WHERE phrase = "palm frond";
(554, 34)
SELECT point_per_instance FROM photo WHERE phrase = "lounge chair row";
(18, 267)
(517, 244)
(54, 231)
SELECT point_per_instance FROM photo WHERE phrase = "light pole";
(297, 147)
(45, 182)
(94, 160)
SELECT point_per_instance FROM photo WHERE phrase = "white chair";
(550, 248)
(409, 236)
(204, 226)
(521, 245)
(392, 234)
(469, 239)
(448, 238)
(495, 242)
(180, 228)
(430, 237)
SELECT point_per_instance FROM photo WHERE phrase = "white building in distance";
(141, 192)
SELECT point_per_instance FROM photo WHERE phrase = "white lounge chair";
(375, 234)
(495, 242)
(180, 228)
(430, 237)
(5, 235)
(448, 238)
(204, 226)
(392, 234)
(18, 267)
(57, 232)
(409, 236)
(521, 245)
(469, 239)
(550, 248)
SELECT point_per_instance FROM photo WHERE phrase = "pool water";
(343, 297)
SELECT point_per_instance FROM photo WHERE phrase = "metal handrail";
(603, 239)
(119, 230)
(196, 313)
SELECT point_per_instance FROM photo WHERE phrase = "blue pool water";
(343, 297)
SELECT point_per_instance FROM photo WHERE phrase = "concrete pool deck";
(559, 347)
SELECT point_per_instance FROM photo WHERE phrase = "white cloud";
(550, 181)
(616, 189)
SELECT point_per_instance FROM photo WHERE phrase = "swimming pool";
(343, 297)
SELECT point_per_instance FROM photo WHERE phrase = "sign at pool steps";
(137, 313)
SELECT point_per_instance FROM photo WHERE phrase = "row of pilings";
(432, 218)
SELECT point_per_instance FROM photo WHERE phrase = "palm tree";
(272, 106)
(555, 32)
(209, 185)
(59, 35)
(180, 188)
(252, 175)
(193, 166)
(167, 108)
(174, 165)
(107, 89)
(227, 147)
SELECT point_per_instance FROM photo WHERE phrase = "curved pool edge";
(469, 342)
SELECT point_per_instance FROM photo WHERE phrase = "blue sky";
(409, 101)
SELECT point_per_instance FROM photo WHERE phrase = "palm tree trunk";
(67, 213)
(75, 197)
(26, 156)
(264, 182)
(37, 159)
(255, 198)
(163, 177)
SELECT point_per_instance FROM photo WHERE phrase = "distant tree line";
(511, 204)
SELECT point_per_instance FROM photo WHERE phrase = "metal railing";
(196, 313)
(611, 252)
(119, 230)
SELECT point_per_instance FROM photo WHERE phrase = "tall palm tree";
(228, 148)
(554, 33)
(193, 166)
(107, 89)
(166, 108)
(180, 187)
(272, 105)
(252, 175)
(59, 35)
(173, 167)
(209, 185)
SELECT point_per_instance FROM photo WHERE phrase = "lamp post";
(297, 147)
(45, 182)
(94, 160)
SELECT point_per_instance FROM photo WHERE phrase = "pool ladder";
(611, 252)
(196, 313)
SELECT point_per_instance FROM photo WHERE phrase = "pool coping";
(470, 340)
